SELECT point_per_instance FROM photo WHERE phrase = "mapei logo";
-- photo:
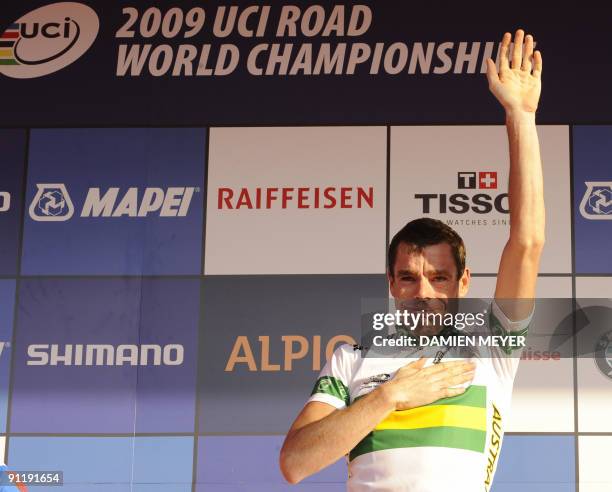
(4, 345)
(52, 202)
(5, 201)
(47, 39)
(596, 203)
(483, 202)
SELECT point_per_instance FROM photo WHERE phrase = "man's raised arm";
(517, 87)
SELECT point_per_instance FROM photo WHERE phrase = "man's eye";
(440, 279)
(407, 279)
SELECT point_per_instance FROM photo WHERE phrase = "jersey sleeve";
(505, 358)
(332, 385)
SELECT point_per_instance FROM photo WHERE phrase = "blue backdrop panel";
(80, 159)
(536, 464)
(12, 152)
(7, 302)
(90, 464)
(166, 395)
(593, 204)
(531, 463)
(254, 466)
(271, 307)
(163, 464)
(105, 398)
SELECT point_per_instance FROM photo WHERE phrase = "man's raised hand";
(517, 85)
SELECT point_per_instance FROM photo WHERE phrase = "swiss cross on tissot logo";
(472, 180)
(487, 179)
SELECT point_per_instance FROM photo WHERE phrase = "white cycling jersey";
(450, 444)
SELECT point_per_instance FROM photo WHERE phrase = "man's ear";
(392, 284)
(464, 282)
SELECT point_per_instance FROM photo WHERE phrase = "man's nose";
(425, 290)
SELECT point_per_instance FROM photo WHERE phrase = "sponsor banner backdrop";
(296, 200)
(195, 199)
(12, 149)
(162, 463)
(100, 356)
(254, 462)
(89, 464)
(459, 174)
(114, 201)
(594, 464)
(122, 464)
(7, 303)
(543, 393)
(593, 198)
(264, 341)
(595, 375)
(536, 464)
(127, 63)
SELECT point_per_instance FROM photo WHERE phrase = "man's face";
(426, 279)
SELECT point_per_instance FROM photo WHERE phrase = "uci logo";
(47, 39)
(51, 203)
(596, 203)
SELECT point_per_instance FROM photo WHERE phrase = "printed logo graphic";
(596, 203)
(484, 202)
(466, 181)
(373, 381)
(603, 354)
(51, 203)
(295, 197)
(47, 39)
(5, 201)
(105, 355)
(486, 180)
(379, 378)
(4, 345)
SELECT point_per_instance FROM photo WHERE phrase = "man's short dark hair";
(423, 232)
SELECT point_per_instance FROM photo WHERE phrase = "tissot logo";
(596, 202)
(463, 203)
(52, 202)
(473, 180)
(295, 197)
(5, 201)
(47, 39)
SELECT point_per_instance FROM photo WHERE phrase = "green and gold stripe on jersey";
(457, 422)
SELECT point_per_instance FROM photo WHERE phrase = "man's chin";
(427, 331)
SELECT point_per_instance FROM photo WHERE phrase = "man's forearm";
(525, 187)
(319, 444)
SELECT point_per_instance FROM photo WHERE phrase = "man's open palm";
(517, 86)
